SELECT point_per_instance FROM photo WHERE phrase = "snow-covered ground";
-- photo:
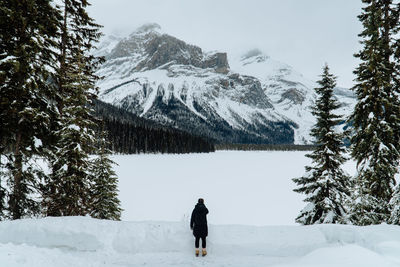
(241, 189)
(85, 242)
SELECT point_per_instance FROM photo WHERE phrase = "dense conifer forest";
(130, 134)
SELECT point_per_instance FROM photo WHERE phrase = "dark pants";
(197, 242)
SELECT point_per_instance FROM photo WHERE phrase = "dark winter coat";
(198, 221)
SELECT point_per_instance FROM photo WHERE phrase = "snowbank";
(81, 241)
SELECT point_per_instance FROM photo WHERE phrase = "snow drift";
(80, 241)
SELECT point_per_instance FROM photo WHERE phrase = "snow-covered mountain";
(250, 98)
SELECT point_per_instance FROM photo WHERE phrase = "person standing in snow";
(198, 223)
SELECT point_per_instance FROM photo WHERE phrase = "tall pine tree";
(67, 190)
(27, 31)
(375, 142)
(325, 183)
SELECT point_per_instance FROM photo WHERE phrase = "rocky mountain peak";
(154, 49)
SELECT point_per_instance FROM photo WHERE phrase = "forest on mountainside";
(130, 134)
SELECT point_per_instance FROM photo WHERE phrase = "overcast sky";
(302, 33)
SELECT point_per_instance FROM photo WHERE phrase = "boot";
(203, 252)
(197, 252)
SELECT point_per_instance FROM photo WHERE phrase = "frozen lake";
(239, 187)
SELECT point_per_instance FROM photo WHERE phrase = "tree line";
(264, 147)
(371, 196)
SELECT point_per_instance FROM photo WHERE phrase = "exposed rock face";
(165, 49)
(293, 95)
(254, 95)
(158, 49)
(217, 61)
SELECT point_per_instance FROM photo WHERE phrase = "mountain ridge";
(248, 99)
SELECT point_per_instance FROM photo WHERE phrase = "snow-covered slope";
(250, 98)
(290, 92)
(79, 241)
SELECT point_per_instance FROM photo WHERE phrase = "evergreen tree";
(325, 183)
(69, 184)
(375, 141)
(67, 190)
(104, 192)
(27, 30)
